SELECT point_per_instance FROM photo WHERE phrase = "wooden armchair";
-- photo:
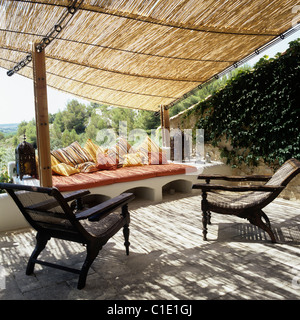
(76, 216)
(245, 201)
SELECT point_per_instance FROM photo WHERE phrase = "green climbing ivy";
(258, 110)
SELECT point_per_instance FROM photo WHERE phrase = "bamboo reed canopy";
(135, 53)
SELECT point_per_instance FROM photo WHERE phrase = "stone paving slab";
(168, 259)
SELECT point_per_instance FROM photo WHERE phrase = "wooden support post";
(162, 125)
(41, 116)
(167, 127)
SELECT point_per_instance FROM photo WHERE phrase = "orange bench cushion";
(125, 174)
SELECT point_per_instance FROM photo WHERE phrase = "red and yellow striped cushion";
(119, 150)
(87, 167)
(92, 148)
(64, 169)
(148, 146)
(132, 160)
(72, 155)
(157, 158)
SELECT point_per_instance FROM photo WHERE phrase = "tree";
(55, 136)
(22, 128)
(118, 115)
(99, 121)
(31, 133)
(58, 122)
(76, 116)
(91, 132)
(51, 117)
(29, 130)
(146, 120)
(15, 141)
(68, 137)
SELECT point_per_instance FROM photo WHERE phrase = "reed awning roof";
(135, 53)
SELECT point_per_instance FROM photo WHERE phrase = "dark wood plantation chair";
(76, 216)
(246, 201)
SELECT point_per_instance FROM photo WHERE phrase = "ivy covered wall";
(258, 111)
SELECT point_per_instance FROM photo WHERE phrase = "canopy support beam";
(165, 126)
(41, 116)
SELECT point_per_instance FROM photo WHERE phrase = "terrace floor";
(168, 259)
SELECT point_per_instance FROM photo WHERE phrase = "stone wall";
(291, 192)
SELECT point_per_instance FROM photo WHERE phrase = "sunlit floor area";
(168, 258)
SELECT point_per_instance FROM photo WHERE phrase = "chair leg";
(126, 237)
(268, 223)
(41, 241)
(92, 253)
(208, 217)
(256, 220)
(125, 214)
(205, 216)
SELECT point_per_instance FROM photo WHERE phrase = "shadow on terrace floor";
(168, 258)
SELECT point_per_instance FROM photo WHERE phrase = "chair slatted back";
(285, 173)
(44, 208)
(53, 218)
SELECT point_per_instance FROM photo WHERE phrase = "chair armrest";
(209, 187)
(52, 203)
(103, 209)
(75, 195)
(235, 178)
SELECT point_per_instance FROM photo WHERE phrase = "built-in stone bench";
(147, 182)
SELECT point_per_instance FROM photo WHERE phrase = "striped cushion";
(72, 155)
(132, 160)
(87, 167)
(157, 158)
(92, 148)
(64, 169)
(147, 147)
(105, 162)
(54, 161)
(119, 150)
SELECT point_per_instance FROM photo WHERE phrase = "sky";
(17, 97)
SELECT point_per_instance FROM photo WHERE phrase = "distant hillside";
(10, 128)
